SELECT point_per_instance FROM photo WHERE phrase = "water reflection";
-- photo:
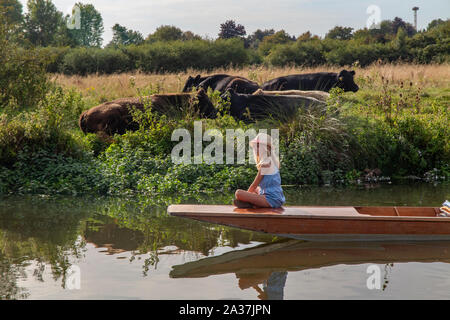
(268, 285)
(267, 265)
(411, 194)
(41, 238)
(39, 235)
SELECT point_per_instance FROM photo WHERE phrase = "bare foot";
(242, 204)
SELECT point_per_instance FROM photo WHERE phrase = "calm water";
(116, 248)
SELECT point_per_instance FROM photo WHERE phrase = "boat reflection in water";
(268, 264)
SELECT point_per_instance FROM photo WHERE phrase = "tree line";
(169, 49)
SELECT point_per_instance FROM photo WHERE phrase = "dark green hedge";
(174, 56)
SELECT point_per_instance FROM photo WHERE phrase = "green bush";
(173, 56)
(300, 53)
(178, 56)
(79, 61)
(44, 128)
(157, 56)
(23, 80)
(85, 61)
(55, 56)
(112, 61)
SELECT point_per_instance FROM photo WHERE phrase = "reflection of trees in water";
(9, 273)
(141, 228)
(412, 194)
(22, 258)
(35, 235)
(39, 235)
(387, 269)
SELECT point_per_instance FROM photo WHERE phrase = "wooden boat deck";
(346, 212)
(327, 223)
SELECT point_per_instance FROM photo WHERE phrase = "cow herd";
(248, 100)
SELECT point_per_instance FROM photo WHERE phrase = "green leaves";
(23, 81)
(91, 27)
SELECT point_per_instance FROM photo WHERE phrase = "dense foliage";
(74, 43)
(389, 126)
(394, 127)
(278, 49)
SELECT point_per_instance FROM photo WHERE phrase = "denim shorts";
(274, 201)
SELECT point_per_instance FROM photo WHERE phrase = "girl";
(265, 191)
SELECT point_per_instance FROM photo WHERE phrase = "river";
(129, 248)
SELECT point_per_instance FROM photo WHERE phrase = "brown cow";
(115, 116)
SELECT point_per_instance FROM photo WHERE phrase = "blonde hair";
(263, 156)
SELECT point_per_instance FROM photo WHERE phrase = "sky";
(204, 17)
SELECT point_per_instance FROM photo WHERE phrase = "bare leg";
(253, 198)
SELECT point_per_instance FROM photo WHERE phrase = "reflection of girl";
(273, 284)
(265, 191)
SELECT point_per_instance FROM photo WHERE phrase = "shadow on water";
(41, 236)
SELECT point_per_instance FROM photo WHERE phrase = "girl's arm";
(256, 182)
(258, 178)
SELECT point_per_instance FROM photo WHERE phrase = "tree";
(229, 30)
(42, 22)
(386, 32)
(11, 10)
(400, 39)
(23, 80)
(435, 23)
(189, 35)
(91, 27)
(340, 33)
(399, 23)
(307, 36)
(166, 33)
(256, 37)
(124, 37)
(171, 33)
(12, 17)
(278, 38)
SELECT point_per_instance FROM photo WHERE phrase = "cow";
(249, 108)
(221, 82)
(323, 81)
(316, 94)
(116, 117)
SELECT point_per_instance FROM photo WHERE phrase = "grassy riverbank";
(397, 122)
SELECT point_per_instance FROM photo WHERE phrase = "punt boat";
(340, 223)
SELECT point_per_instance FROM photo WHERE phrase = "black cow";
(249, 107)
(322, 81)
(221, 82)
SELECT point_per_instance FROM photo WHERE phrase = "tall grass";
(100, 88)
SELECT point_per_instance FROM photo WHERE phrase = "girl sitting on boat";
(265, 191)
